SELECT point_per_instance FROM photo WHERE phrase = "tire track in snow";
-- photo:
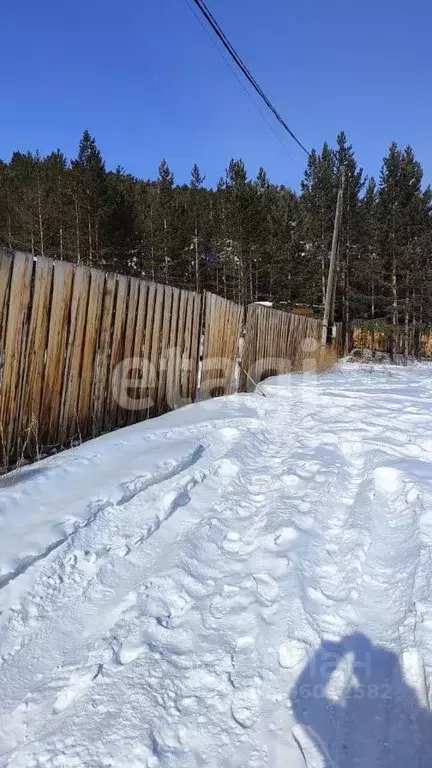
(132, 489)
(213, 620)
(135, 496)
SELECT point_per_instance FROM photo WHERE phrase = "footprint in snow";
(245, 663)
(245, 707)
(67, 686)
(79, 682)
(292, 653)
(266, 587)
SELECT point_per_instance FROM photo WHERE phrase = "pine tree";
(6, 238)
(241, 196)
(24, 206)
(368, 298)
(319, 193)
(121, 252)
(246, 239)
(59, 223)
(196, 183)
(402, 216)
(89, 190)
(165, 185)
(351, 222)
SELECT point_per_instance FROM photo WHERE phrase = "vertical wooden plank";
(238, 327)
(147, 347)
(56, 353)
(114, 368)
(171, 353)
(15, 350)
(155, 358)
(70, 427)
(161, 403)
(33, 375)
(224, 363)
(278, 323)
(187, 347)
(260, 352)
(138, 346)
(195, 344)
(208, 298)
(222, 329)
(5, 279)
(130, 413)
(100, 379)
(205, 331)
(233, 331)
(285, 344)
(255, 340)
(215, 331)
(247, 357)
(179, 349)
(270, 341)
(85, 406)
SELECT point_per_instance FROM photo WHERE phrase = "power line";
(240, 81)
(242, 66)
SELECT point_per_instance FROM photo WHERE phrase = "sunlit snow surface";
(244, 582)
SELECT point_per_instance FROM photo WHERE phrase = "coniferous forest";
(248, 239)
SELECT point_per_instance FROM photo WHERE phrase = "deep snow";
(244, 582)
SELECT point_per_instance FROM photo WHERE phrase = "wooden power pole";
(331, 281)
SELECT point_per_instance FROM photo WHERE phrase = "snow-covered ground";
(244, 582)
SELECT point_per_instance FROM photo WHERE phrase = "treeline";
(247, 239)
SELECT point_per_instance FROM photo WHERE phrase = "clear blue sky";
(145, 79)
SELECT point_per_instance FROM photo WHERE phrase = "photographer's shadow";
(358, 712)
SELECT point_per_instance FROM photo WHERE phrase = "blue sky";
(145, 79)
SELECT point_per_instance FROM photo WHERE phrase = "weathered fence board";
(175, 395)
(101, 384)
(276, 342)
(86, 413)
(55, 358)
(116, 355)
(127, 371)
(171, 357)
(33, 374)
(396, 341)
(17, 328)
(70, 426)
(5, 275)
(83, 352)
(162, 398)
(138, 349)
(223, 321)
(195, 343)
(146, 380)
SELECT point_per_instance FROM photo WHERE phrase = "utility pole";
(331, 281)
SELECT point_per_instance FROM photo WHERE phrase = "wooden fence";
(398, 342)
(276, 342)
(223, 323)
(83, 352)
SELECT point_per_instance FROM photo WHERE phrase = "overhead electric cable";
(242, 66)
(240, 81)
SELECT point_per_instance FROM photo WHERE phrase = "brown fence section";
(276, 342)
(398, 342)
(83, 352)
(223, 323)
